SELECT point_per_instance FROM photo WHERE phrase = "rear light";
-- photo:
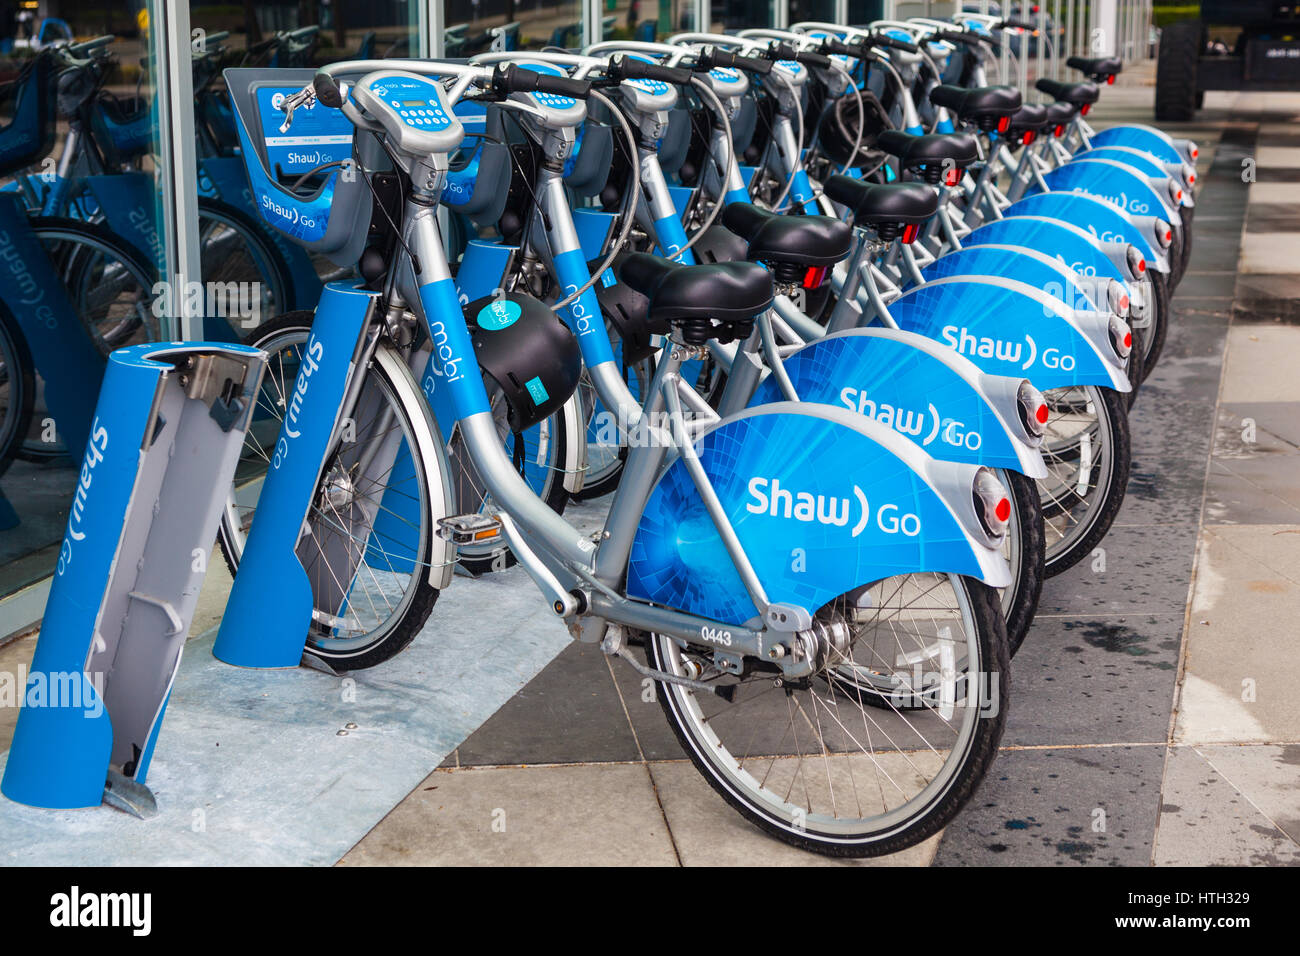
(992, 504)
(1136, 263)
(1118, 298)
(1060, 129)
(1164, 233)
(1033, 409)
(1029, 137)
(1083, 110)
(952, 177)
(1110, 80)
(910, 232)
(814, 277)
(1004, 123)
(1121, 336)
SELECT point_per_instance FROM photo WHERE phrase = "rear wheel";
(17, 388)
(883, 745)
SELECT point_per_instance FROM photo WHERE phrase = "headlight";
(1033, 409)
(1118, 298)
(1137, 265)
(992, 504)
(1121, 336)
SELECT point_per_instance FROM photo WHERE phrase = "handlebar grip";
(712, 56)
(1015, 25)
(784, 51)
(904, 45)
(327, 90)
(831, 45)
(87, 46)
(630, 68)
(516, 79)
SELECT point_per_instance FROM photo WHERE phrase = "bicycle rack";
(164, 441)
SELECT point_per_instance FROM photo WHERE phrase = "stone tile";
(569, 713)
(1162, 490)
(592, 815)
(1261, 364)
(1241, 668)
(1253, 491)
(1094, 679)
(1048, 808)
(1250, 430)
(1274, 193)
(708, 832)
(15, 659)
(1282, 218)
(1145, 571)
(1269, 253)
(1286, 157)
(1207, 821)
(1199, 285)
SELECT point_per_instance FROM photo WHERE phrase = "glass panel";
(474, 26)
(741, 14)
(822, 10)
(862, 12)
(82, 280)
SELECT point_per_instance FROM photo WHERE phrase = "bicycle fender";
(1146, 138)
(1065, 242)
(1028, 265)
(1113, 182)
(1102, 218)
(822, 500)
(1007, 327)
(1144, 165)
(924, 391)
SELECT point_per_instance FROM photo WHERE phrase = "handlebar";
(711, 56)
(1014, 25)
(509, 78)
(784, 51)
(630, 68)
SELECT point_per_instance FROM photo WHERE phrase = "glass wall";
(81, 183)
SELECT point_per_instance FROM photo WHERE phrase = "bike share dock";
(1129, 691)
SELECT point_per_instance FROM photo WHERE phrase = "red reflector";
(1084, 108)
(1110, 80)
(1180, 195)
(812, 279)
(911, 231)
(1128, 340)
(1191, 179)
(1029, 136)
(951, 177)
(1142, 265)
(1169, 235)
(1195, 153)
(1003, 510)
(1059, 130)
(1004, 124)
(1123, 303)
(1041, 414)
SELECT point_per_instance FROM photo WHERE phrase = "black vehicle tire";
(233, 248)
(17, 388)
(1176, 69)
(1160, 319)
(1028, 588)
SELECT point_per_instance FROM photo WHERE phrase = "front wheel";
(877, 750)
(1086, 448)
(1025, 551)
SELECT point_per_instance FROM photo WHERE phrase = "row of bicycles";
(842, 336)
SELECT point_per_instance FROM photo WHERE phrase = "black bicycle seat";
(882, 203)
(1031, 116)
(723, 291)
(934, 152)
(811, 241)
(983, 105)
(1080, 94)
(1059, 114)
(1100, 68)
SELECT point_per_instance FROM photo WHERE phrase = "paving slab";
(1209, 819)
(708, 832)
(1260, 365)
(1082, 806)
(577, 815)
(1241, 668)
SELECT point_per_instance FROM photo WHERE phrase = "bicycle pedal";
(469, 529)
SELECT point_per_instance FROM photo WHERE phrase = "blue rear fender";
(1007, 327)
(923, 390)
(822, 500)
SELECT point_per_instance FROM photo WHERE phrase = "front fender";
(1114, 182)
(1146, 138)
(1102, 218)
(1065, 242)
(822, 500)
(927, 393)
(1144, 164)
(1028, 265)
(1007, 327)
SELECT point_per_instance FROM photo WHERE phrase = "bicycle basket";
(29, 134)
(298, 182)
